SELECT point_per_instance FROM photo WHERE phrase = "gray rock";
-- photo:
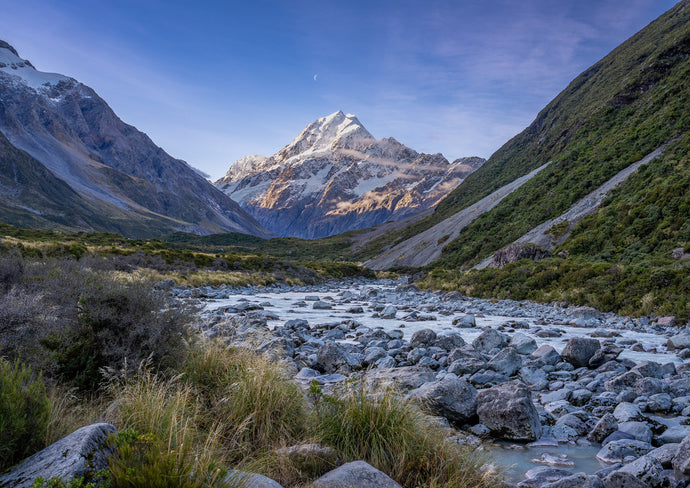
(465, 360)
(449, 341)
(490, 339)
(681, 462)
(507, 410)
(606, 426)
(579, 350)
(659, 403)
(578, 480)
(547, 354)
(607, 353)
(674, 434)
(646, 469)
(451, 397)
(639, 430)
(523, 343)
(321, 305)
(333, 357)
(465, 322)
(250, 480)
(508, 361)
(304, 454)
(422, 338)
(665, 454)
(355, 474)
(80, 453)
(648, 386)
(649, 369)
(621, 450)
(626, 412)
(679, 341)
(389, 312)
(403, 378)
(619, 479)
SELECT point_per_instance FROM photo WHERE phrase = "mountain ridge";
(68, 128)
(335, 176)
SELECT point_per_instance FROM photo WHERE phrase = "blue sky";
(211, 81)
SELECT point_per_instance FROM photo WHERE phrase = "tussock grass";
(397, 438)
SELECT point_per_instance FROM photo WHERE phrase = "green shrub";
(117, 326)
(24, 413)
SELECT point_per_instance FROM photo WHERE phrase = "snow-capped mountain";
(335, 176)
(74, 164)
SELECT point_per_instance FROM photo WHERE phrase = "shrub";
(397, 438)
(117, 326)
(24, 412)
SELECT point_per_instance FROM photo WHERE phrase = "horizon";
(211, 85)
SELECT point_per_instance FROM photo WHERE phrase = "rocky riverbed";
(547, 382)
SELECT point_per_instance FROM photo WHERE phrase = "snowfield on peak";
(335, 176)
(12, 64)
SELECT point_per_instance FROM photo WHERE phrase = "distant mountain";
(336, 177)
(69, 162)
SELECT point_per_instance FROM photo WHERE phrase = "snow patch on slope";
(12, 64)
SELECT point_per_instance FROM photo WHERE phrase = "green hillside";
(620, 109)
(621, 258)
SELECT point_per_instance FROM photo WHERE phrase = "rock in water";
(80, 453)
(357, 473)
(507, 410)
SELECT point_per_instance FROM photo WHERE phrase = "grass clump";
(397, 438)
(24, 412)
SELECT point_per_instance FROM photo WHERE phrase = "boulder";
(389, 312)
(357, 473)
(577, 480)
(579, 350)
(626, 412)
(404, 378)
(449, 341)
(490, 339)
(681, 462)
(622, 450)
(422, 338)
(250, 480)
(465, 322)
(332, 357)
(606, 426)
(465, 360)
(620, 479)
(607, 353)
(507, 361)
(523, 343)
(646, 469)
(547, 354)
(81, 453)
(451, 397)
(507, 410)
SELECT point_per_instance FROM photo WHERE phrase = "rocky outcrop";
(452, 398)
(79, 455)
(517, 251)
(336, 177)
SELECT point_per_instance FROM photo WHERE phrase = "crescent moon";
(315, 77)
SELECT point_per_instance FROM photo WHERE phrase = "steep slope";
(74, 134)
(336, 177)
(622, 108)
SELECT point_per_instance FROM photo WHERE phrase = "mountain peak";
(12, 64)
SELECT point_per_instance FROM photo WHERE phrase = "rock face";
(517, 251)
(335, 177)
(84, 451)
(357, 473)
(69, 162)
(507, 410)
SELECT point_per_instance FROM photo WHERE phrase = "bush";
(24, 413)
(117, 326)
